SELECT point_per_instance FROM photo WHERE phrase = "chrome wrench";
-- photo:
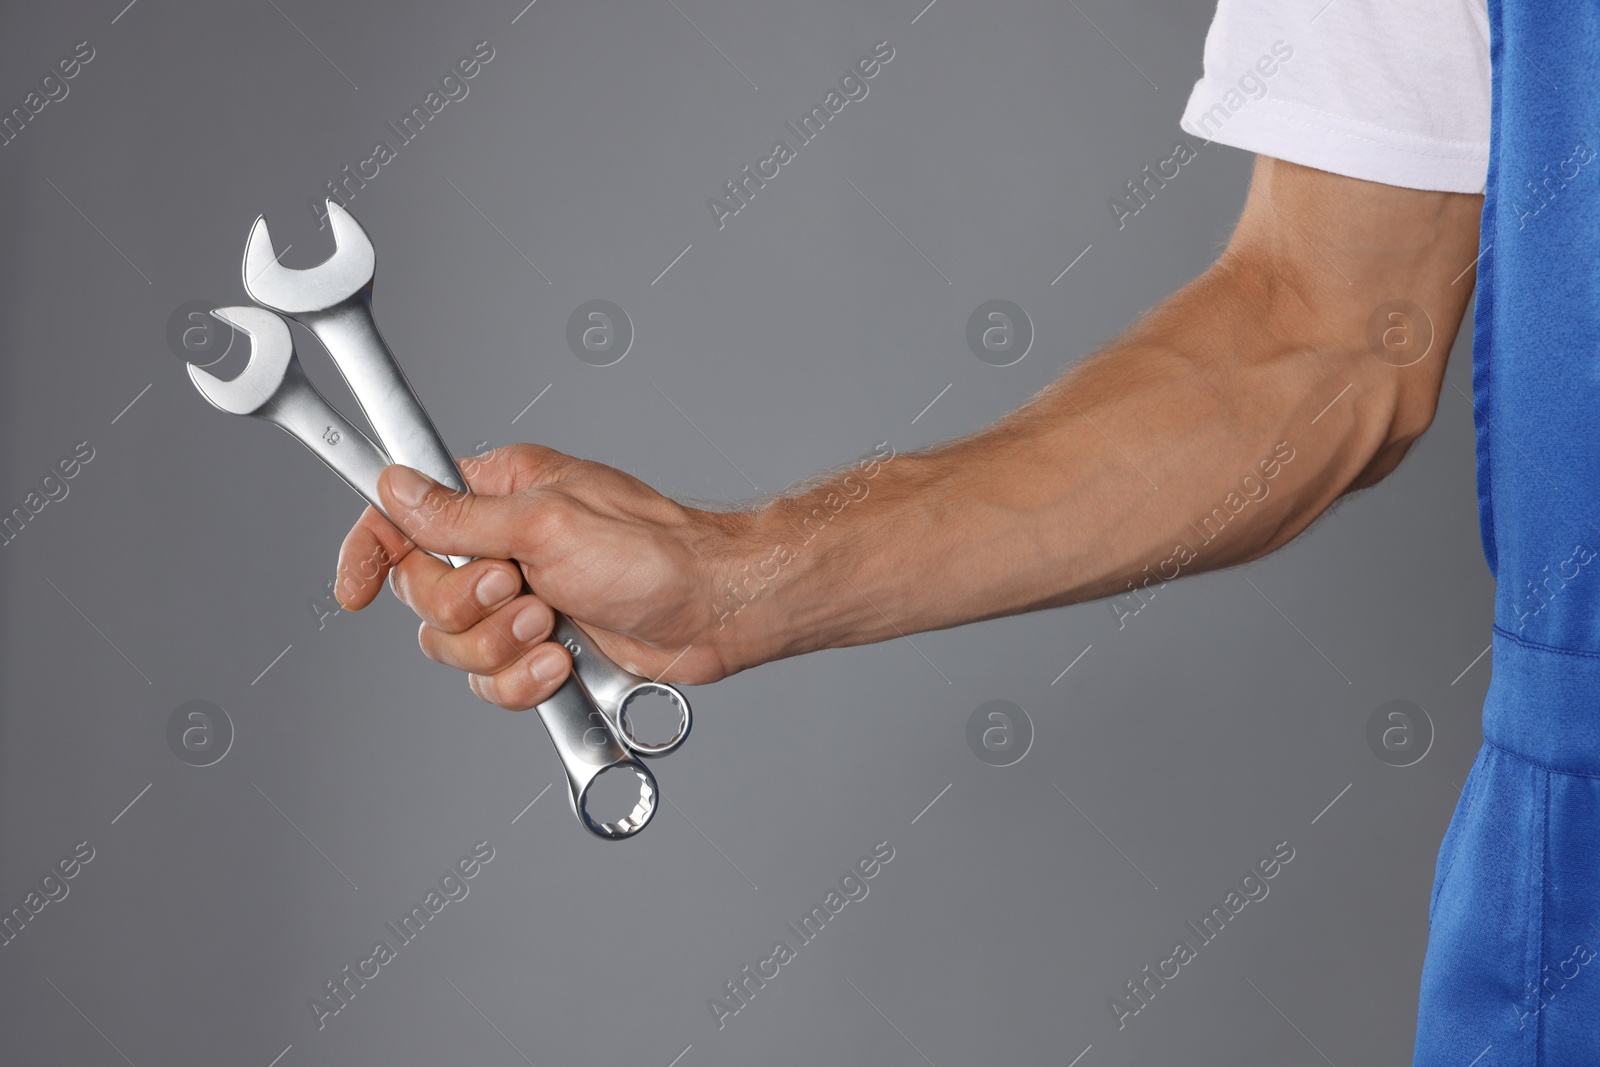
(334, 301)
(275, 388)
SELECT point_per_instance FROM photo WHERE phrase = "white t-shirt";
(1394, 92)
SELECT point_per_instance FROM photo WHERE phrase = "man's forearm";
(1211, 434)
(1135, 471)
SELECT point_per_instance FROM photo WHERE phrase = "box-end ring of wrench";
(273, 387)
(334, 301)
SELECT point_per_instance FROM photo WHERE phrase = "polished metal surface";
(615, 689)
(273, 387)
(334, 301)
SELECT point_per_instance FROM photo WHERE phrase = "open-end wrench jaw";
(273, 387)
(271, 354)
(344, 274)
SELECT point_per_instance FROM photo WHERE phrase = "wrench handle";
(351, 337)
(298, 408)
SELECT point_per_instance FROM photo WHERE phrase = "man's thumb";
(445, 520)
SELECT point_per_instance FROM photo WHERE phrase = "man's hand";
(635, 567)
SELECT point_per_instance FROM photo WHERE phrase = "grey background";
(1226, 717)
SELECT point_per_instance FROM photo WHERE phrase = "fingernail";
(545, 662)
(408, 486)
(531, 622)
(495, 586)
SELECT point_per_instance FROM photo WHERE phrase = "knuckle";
(437, 508)
(445, 511)
(455, 611)
(553, 520)
(493, 645)
(521, 456)
(437, 645)
(512, 690)
(472, 466)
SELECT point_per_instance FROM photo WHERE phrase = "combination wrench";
(334, 301)
(273, 387)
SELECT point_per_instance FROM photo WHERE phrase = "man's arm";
(1096, 482)
(1211, 433)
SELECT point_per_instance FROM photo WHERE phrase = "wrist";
(752, 583)
(790, 576)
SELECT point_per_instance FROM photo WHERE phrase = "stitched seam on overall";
(1535, 763)
(1538, 647)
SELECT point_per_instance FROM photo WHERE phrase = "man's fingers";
(369, 550)
(531, 680)
(453, 600)
(456, 524)
(494, 642)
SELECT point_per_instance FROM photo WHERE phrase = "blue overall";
(1512, 974)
